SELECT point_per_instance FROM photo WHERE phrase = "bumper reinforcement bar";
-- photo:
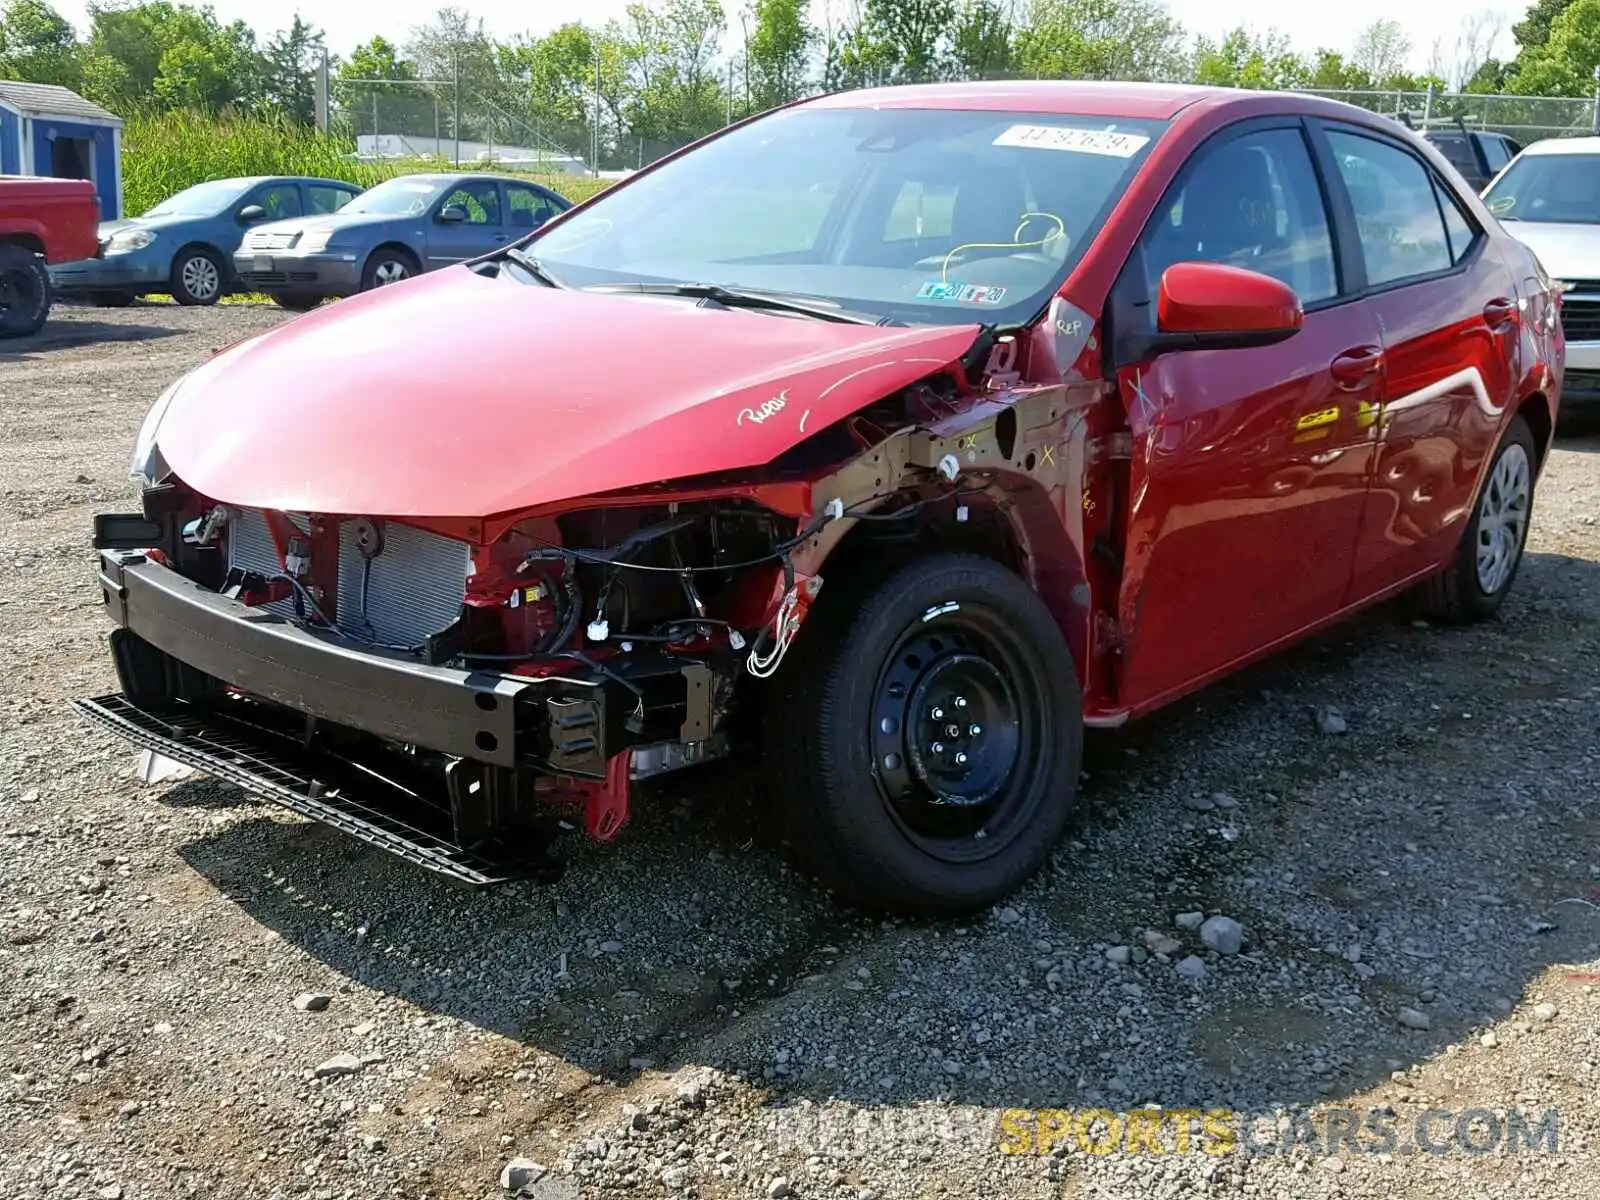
(227, 751)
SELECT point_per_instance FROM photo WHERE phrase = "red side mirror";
(1211, 306)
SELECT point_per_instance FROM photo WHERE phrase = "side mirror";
(1210, 306)
(452, 214)
(251, 213)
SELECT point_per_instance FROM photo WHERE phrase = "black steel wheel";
(24, 291)
(930, 738)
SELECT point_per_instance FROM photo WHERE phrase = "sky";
(1308, 24)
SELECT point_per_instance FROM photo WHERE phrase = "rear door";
(1448, 323)
(1249, 466)
(483, 229)
(528, 207)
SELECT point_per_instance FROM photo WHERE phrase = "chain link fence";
(1524, 119)
(452, 122)
(455, 122)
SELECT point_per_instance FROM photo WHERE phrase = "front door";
(480, 229)
(1250, 466)
(1448, 321)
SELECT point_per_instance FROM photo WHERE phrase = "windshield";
(920, 215)
(407, 196)
(202, 200)
(1548, 187)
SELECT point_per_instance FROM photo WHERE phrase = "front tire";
(198, 277)
(24, 292)
(1475, 584)
(385, 267)
(930, 738)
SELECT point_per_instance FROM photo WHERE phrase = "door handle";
(1354, 368)
(1500, 313)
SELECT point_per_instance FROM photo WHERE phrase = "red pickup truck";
(41, 221)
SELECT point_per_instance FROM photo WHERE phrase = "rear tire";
(1485, 566)
(198, 277)
(24, 292)
(929, 737)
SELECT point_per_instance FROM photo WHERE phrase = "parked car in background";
(1549, 200)
(42, 221)
(888, 439)
(1477, 153)
(402, 227)
(184, 245)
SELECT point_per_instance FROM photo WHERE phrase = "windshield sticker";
(1080, 141)
(961, 293)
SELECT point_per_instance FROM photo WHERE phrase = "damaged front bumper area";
(459, 771)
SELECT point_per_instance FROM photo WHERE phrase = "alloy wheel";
(1503, 518)
(201, 277)
(389, 271)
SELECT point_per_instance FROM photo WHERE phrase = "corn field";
(163, 154)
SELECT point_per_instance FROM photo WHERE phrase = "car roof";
(1572, 145)
(1093, 98)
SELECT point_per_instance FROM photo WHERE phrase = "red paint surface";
(1203, 297)
(61, 215)
(1249, 516)
(455, 395)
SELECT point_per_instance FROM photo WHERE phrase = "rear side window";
(1455, 148)
(1397, 214)
(325, 199)
(1458, 229)
(1495, 153)
(1251, 202)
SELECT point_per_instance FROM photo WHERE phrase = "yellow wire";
(1060, 231)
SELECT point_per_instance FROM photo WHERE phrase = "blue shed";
(49, 130)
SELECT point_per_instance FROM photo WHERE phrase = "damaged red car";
(893, 437)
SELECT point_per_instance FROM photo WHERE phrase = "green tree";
(289, 66)
(910, 35)
(1330, 72)
(1533, 30)
(983, 45)
(169, 55)
(1100, 39)
(37, 44)
(1248, 60)
(778, 51)
(1564, 65)
(1380, 50)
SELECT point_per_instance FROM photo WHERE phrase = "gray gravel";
(686, 1016)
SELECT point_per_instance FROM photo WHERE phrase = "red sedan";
(889, 438)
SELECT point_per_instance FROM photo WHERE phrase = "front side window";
(281, 200)
(918, 215)
(480, 199)
(1548, 187)
(1398, 220)
(1251, 202)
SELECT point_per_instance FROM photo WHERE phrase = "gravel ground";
(684, 1016)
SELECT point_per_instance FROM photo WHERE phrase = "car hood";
(328, 221)
(107, 228)
(459, 395)
(1565, 251)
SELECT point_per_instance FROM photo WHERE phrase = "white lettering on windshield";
(1080, 141)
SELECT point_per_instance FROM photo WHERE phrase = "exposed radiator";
(411, 589)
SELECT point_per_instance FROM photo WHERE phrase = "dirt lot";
(684, 1016)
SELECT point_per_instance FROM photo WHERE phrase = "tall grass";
(165, 153)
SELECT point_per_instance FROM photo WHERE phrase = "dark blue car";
(184, 246)
(402, 227)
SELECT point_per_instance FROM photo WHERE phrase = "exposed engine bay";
(597, 643)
